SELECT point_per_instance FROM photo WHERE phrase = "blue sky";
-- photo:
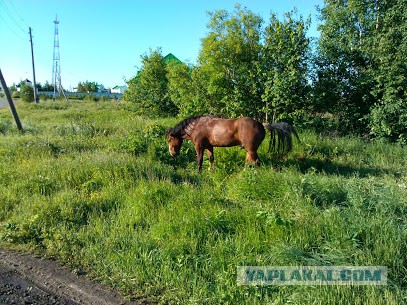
(103, 40)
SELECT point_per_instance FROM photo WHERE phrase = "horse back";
(218, 132)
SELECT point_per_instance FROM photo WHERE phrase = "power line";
(12, 29)
(19, 15)
(3, 4)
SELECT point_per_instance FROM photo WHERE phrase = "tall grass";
(93, 185)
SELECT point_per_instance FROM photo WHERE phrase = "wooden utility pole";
(10, 102)
(32, 57)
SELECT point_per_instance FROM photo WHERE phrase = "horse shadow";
(327, 166)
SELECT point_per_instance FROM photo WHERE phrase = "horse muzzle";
(174, 154)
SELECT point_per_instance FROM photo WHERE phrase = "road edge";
(49, 276)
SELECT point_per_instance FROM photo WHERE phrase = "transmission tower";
(56, 66)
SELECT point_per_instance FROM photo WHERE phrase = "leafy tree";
(149, 88)
(47, 87)
(251, 70)
(285, 65)
(27, 93)
(87, 87)
(345, 67)
(388, 117)
(361, 65)
(186, 89)
(229, 61)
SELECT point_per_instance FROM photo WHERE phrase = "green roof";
(171, 58)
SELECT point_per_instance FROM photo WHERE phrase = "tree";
(345, 64)
(87, 87)
(361, 65)
(27, 93)
(285, 65)
(47, 87)
(186, 89)
(388, 117)
(229, 61)
(148, 90)
(251, 70)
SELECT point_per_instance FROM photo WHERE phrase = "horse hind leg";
(211, 157)
(199, 157)
(252, 158)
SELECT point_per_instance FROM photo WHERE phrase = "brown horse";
(207, 132)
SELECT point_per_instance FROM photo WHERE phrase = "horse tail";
(281, 141)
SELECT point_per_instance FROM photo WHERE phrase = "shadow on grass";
(328, 166)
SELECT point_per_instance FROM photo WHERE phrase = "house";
(100, 88)
(24, 82)
(118, 89)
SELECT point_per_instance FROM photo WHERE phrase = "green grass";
(93, 185)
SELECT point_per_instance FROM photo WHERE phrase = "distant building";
(118, 89)
(100, 88)
(24, 82)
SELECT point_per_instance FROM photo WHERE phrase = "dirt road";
(3, 102)
(27, 279)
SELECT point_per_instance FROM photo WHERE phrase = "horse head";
(174, 143)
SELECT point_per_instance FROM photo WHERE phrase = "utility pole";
(32, 57)
(10, 102)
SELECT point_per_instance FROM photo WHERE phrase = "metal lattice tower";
(56, 66)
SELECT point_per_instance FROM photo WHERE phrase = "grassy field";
(93, 185)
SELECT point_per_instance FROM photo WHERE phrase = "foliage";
(92, 180)
(229, 59)
(253, 71)
(361, 70)
(87, 87)
(46, 87)
(388, 117)
(27, 93)
(344, 68)
(186, 89)
(285, 66)
(148, 90)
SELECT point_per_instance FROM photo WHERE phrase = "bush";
(27, 93)
(91, 98)
(15, 94)
(5, 125)
(44, 97)
(389, 121)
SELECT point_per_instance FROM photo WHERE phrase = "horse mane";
(179, 129)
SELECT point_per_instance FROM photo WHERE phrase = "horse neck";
(188, 130)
